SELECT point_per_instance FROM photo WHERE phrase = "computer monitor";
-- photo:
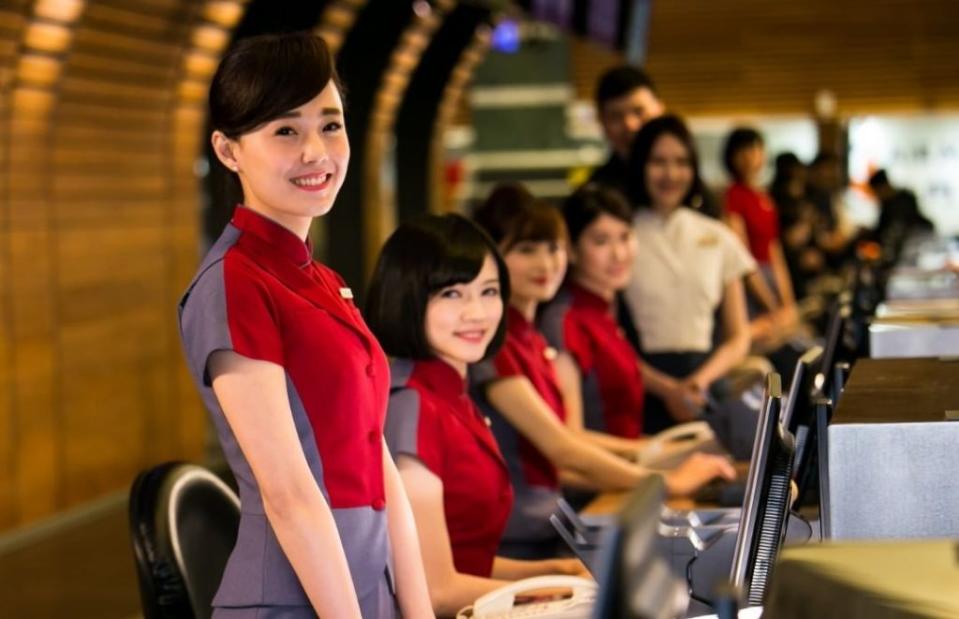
(808, 463)
(635, 582)
(823, 415)
(797, 409)
(765, 508)
(840, 374)
(831, 351)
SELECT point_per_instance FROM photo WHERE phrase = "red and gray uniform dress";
(259, 293)
(535, 480)
(432, 418)
(584, 324)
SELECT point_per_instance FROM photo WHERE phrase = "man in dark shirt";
(824, 182)
(899, 214)
(625, 99)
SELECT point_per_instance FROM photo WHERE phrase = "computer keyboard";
(723, 493)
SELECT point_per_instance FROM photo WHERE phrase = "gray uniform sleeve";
(402, 422)
(552, 318)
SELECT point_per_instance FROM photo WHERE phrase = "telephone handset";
(670, 447)
(508, 602)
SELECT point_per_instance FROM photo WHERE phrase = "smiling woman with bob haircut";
(436, 303)
(295, 382)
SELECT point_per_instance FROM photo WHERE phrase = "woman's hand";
(787, 318)
(697, 471)
(683, 400)
(566, 567)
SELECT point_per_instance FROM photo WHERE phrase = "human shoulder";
(611, 174)
(407, 395)
(737, 190)
(553, 316)
(708, 232)
(646, 221)
(225, 268)
(697, 220)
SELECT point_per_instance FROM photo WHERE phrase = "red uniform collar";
(440, 377)
(585, 298)
(278, 238)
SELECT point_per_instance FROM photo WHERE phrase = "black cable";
(805, 522)
(689, 584)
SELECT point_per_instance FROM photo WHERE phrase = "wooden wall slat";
(35, 453)
(756, 57)
(96, 242)
(103, 437)
(13, 21)
(93, 64)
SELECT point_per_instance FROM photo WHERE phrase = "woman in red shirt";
(436, 304)
(750, 212)
(295, 382)
(581, 320)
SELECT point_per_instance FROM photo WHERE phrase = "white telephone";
(503, 603)
(670, 447)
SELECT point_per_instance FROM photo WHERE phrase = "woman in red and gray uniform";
(436, 304)
(581, 321)
(296, 383)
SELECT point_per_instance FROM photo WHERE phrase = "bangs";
(265, 76)
(458, 261)
(540, 223)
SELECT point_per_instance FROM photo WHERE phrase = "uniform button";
(488, 421)
(369, 370)
(373, 436)
(378, 504)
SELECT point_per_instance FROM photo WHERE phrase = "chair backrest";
(183, 526)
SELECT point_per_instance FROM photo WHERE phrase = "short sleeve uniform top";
(759, 215)
(535, 480)
(683, 263)
(259, 293)
(584, 324)
(432, 418)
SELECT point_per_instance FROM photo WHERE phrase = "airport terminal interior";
(653, 307)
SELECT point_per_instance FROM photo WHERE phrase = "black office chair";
(183, 526)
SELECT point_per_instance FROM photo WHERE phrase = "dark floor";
(80, 571)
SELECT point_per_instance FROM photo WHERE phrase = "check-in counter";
(893, 461)
(915, 328)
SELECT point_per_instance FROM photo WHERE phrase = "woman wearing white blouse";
(687, 267)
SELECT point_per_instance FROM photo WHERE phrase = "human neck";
(459, 366)
(526, 307)
(665, 210)
(298, 225)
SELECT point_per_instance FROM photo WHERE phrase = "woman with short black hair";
(581, 321)
(436, 303)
